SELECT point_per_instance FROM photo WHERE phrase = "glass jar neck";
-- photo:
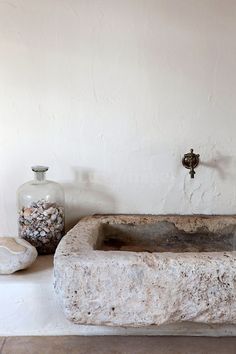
(39, 176)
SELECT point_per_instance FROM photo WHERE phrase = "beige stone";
(15, 254)
(148, 270)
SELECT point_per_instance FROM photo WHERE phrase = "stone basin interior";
(164, 236)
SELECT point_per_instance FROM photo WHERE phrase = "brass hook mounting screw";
(191, 161)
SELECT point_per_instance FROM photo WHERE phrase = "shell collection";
(42, 224)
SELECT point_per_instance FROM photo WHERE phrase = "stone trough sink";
(138, 271)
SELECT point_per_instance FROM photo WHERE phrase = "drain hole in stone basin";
(113, 308)
(89, 313)
(164, 236)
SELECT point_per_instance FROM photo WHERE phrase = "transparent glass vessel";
(41, 216)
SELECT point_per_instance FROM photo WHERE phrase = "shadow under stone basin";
(140, 270)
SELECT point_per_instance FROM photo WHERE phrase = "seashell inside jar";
(41, 216)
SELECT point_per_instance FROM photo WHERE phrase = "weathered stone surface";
(98, 282)
(15, 254)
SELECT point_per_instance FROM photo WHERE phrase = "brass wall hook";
(191, 161)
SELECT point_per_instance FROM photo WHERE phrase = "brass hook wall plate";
(191, 161)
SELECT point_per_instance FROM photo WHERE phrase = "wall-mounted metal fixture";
(191, 161)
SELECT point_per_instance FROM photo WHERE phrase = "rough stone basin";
(148, 270)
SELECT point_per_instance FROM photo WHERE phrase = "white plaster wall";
(110, 94)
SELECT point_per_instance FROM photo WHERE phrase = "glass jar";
(41, 216)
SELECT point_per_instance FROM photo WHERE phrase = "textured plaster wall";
(110, 94)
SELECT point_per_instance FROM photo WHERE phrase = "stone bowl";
(140, 270)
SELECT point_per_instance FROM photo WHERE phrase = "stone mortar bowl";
(139, 270)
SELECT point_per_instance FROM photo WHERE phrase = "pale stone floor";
(117, 345)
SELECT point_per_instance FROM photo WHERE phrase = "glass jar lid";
(39, 168)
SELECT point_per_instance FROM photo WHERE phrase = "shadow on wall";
(85, 196)
(221, 163)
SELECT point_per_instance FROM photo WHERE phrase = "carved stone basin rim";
(139, 270)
